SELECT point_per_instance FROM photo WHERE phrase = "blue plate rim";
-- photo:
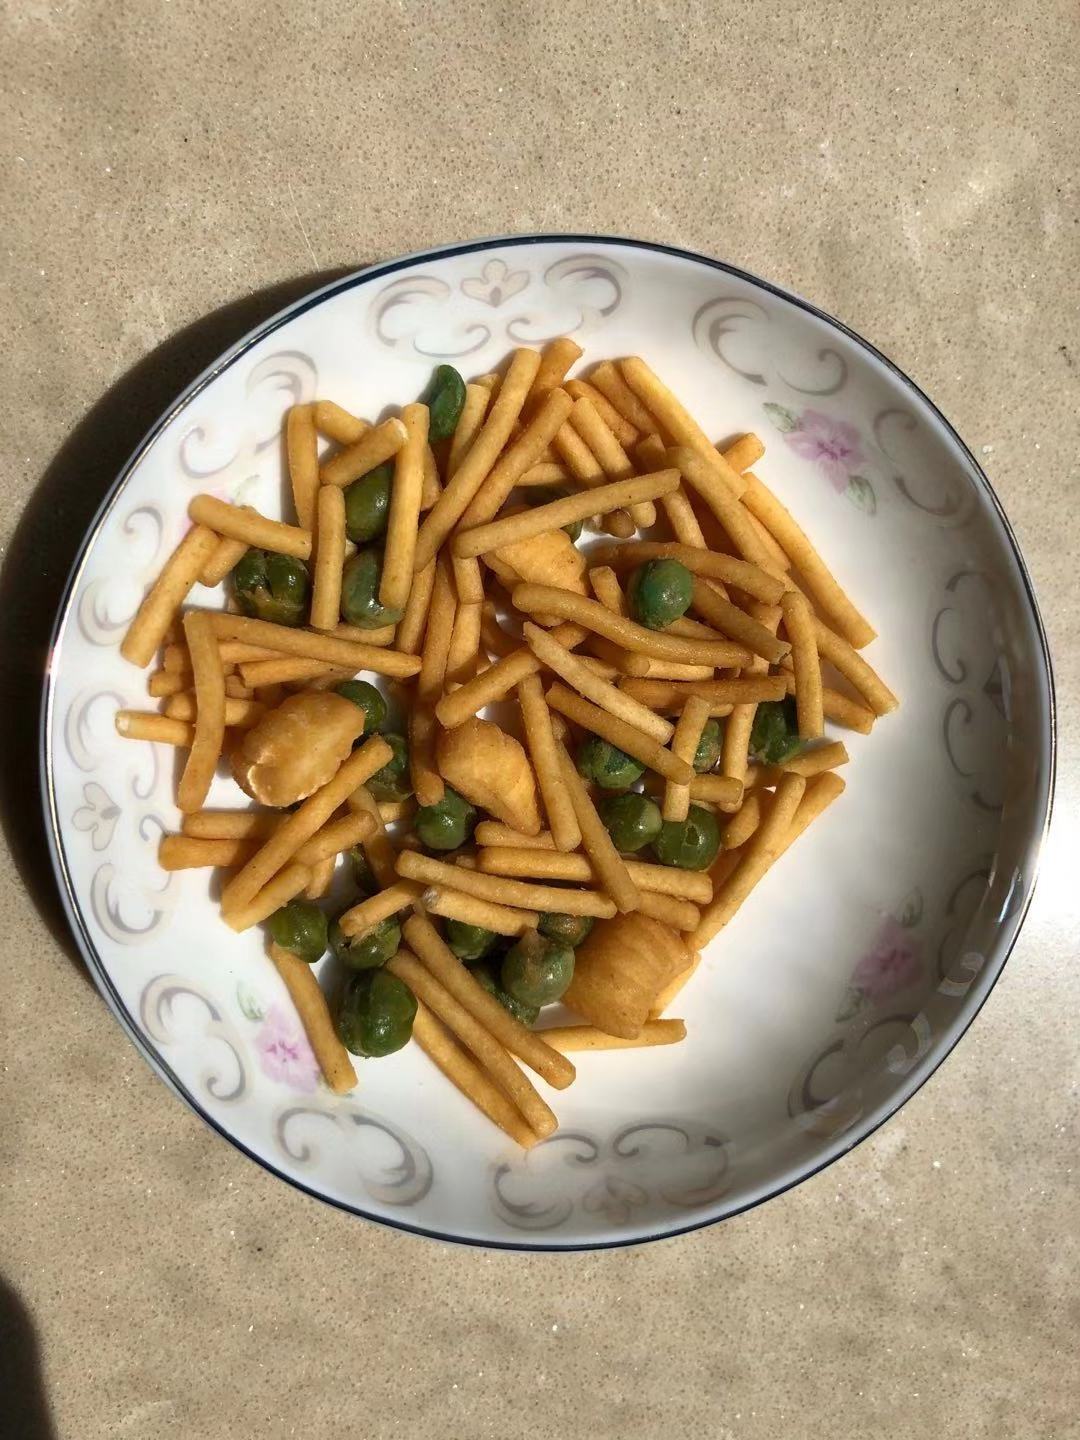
(919, 1074)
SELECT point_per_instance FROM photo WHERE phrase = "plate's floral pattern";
(665, 1164)
(902, 975)
(452, 319)
(834, 446)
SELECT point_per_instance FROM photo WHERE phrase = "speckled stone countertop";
(172, 173)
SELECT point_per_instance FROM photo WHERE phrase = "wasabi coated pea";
(272, 587)
(608, 766)
(367, 504)
(360, 604)
(300, 926)
(376, 1012)
(660, 592)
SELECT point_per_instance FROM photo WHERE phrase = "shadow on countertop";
(46, 542)
(24, 1411)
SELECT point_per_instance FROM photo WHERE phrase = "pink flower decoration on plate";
(284, 1052)
(893, 963)
(832, 444)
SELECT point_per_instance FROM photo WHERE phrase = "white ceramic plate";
(845, 979)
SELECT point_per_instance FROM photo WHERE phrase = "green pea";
(365, 952)
(447, 825)
(445, 399)
(300, 927)
(537, 970)
(367, 504)
(363, 875)
(545, 494)
(607, 765)
(360, 592)
(469, 942)
(376, 1012)
(366, 698)
(689, 844)
(487, 977)
(272, 587)
(572, 930)
(392, 781)
(659, 592)
(709, 746)
(775, 734)
(632, 820)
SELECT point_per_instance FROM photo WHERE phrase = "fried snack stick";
(231, 824)
(337, 423)
(569, 1039)
(168, 592)
(520, 457)
(438, 636)
(329, 557)
(669, 910)
(799, 625)
(853, 667)
(477, 399)
(379, 850)
(410, 629)
(841, 709)
(537, 862)
(239, 714)
(823, 588)
(404, 517)
(482, 456)
(610, 383)
(379, 906)
(243, 522)
(719, 790)
(499, 680)
(664, 645)
(285, 886)
(344, 654)
(709, 564)
(209, 733)
(146, 725)
(603, 860)
(310, 1003)
(557, 357)
(599, 722)
(456, 905)
(601, 692)
(563, 512)
(374, 447)
(412, 866)
(677, 421)
(676, 804)
(765, 847)
(440, 961)
(490, 1052)
(612, 458)
(626, 434)
(302, 824)
(738, 625)
(736, 742)
(723, 503)
(227, 554)
(543, 751)
(439, 1045)
(669, 696)
(493, 832)
(302, 458)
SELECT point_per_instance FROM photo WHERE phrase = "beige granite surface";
(174, 171)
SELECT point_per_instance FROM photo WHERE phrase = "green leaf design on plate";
(861, 493)
(784, 419)
(851, 1004)
(910, 912)
(249, 1002)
